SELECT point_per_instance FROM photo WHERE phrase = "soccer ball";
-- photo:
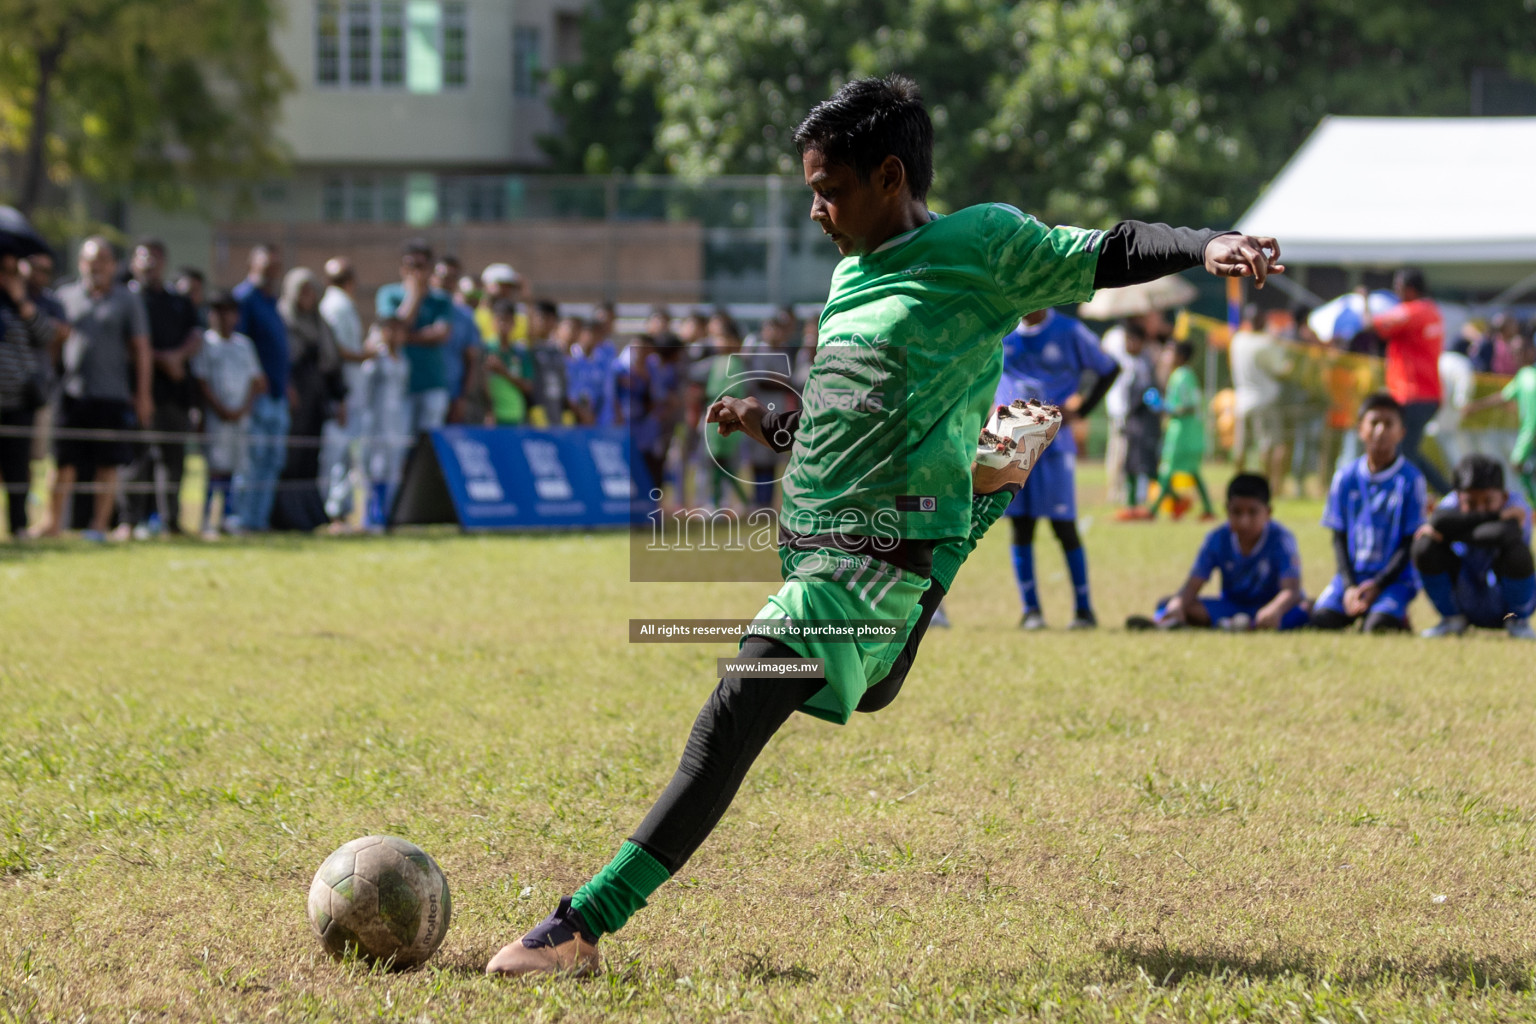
(382, 897)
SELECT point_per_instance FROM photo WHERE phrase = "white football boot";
(1018, 435)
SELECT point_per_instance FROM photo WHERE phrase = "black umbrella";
(17, 235)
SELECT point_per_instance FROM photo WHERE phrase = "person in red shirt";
(1415, 336)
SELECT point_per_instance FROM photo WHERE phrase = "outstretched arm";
(1134, 252)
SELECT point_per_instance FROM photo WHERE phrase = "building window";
(359, 42)
(363, 210)
(392, 201)
(333, 201)
(328, 42)
(455, 45)
(363, 198)
(527, 62)
(391, 43)
(363, 44)
(475, 199)
(567, 38)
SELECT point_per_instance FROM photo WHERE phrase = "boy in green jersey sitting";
(883, 497)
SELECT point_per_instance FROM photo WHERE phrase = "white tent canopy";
(1389, 191)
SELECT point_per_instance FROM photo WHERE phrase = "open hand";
(1235, 255)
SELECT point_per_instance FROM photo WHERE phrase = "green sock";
(950, 555)
(614, 894)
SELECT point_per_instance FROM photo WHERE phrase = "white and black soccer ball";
(382, 897)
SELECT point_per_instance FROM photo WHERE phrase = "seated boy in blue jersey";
(1056, 359)
(1260, 571)
(1474, 554)
(1375, 504)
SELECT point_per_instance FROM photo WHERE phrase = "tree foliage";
(1082, 110)
(142, 97)
(606, 126)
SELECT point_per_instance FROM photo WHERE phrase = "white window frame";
(378, 191)
(453, 12)
(536, 32)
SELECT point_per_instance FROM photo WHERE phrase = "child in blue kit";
(1375, 504)
(1474, 554)
(1260, 571)
(1053, 358)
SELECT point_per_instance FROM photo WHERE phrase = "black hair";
(1478, 472)
(605, 307)
(451, 260)
(192, 273)
(1411, 277)
(868, 120)
(223, 299)
(724, 316)
(1249, 485)
(152, 244)
(547, 308)
(504, 307)
(416, 247)
(1184, 351)
(1380, 401)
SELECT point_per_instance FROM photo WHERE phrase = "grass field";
(1062, 826)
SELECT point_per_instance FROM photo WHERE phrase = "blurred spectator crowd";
(305, 401)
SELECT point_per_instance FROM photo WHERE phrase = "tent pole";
(1296, 290)
(1514, 291)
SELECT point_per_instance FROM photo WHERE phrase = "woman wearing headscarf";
(316, 393)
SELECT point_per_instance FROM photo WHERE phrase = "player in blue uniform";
(1056, 359)
(1375, 505)
(1474, 554)
(1260, 571)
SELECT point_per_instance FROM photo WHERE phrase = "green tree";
(607, 125)
(1043, 104)
(1080, 110)
(142, 97)
(733, 78)
(1269, 71)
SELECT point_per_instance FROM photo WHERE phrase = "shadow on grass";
(1169, 966)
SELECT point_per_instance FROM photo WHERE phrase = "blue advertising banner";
(516, 478)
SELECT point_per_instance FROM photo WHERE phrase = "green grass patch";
(1103, 826)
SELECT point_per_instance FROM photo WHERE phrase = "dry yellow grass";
(1106, 826)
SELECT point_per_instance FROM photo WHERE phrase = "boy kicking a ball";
(1474, 554)
(1260, 570)
(1374, 506)
(886, 493)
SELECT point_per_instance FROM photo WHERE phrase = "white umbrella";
(1138, 299)
(1342, 315)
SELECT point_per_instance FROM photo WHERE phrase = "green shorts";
(827, 585)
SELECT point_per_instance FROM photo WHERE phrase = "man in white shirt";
(1457, 382)
(339, 465)
(1257, 358)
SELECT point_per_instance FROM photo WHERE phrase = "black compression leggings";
(732, 729)
(1065, 530)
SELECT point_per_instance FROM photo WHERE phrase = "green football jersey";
(1186, 426)
(908, 357)
(1522, 391)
